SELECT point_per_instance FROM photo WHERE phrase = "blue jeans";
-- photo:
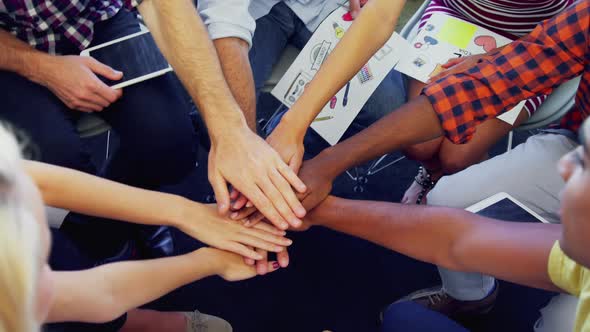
(281, 27)
(157, 138)
(410, 316)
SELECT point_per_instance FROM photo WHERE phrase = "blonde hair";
(19, 245)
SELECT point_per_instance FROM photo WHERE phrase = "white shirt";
(310, 12)
(227, 18)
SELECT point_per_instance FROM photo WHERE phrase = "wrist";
(329, 163)
(180, 210)
(226, 127)
(35, 66)
(293, 125)
(210, 262)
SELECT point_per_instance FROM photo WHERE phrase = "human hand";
(354, 7)
(289, 145)
(204, 224)
(318, 180)
(73, 80)
(246, 161)
(230, 266)
(457, 65)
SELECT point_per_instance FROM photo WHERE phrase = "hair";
(19, 245)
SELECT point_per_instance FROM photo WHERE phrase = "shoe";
(155, 242)
(199, 322)
(436, 299)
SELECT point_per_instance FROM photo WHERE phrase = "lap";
(527, 172)
(410, 316)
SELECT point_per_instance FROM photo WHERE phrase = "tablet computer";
(136, 55)
(502, 206)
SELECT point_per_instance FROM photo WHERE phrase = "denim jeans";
(281, 27)
(157, 138)
(410, 316)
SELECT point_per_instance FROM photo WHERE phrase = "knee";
(452, 163)
(418, 152)
(166, 152)
(400, 317)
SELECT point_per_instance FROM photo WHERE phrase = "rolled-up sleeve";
(227, 18)
(555, 52)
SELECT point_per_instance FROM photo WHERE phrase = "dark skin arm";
(452, 238)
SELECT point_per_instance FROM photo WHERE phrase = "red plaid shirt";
(42, 23)
(555, 52)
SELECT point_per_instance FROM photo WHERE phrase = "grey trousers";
(528, 173)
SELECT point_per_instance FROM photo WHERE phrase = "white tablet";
(136, 55)
(505, 207)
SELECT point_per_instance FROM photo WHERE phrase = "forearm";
(80, 192)
(451, 238)
(106, 292)
(233, 55)
(415, 122)
(183, 39)
(19, 57)
(369, 32)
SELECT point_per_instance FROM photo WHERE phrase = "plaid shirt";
(43, 23)
(555, 52)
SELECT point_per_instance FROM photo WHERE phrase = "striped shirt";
(511, 19)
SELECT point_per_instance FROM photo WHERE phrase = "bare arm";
(377, 20)
(452, 238)
(238, 156)
(19, 57)
(106, 292)
(233, 55)
(91, 195)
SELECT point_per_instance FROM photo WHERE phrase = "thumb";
(354, 6)
(221, 193)
(295, 163)
(104, 70)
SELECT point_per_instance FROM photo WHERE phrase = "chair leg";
(510, 137)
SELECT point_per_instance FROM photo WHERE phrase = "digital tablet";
(502, 206)
(136, 55)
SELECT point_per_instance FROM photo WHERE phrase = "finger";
(242, 250)
(291, 177)
(283, 258)
(249, 261)
(234, 194)
(264, 205)
(279, 202)
(268, 237)
(104, 70)
(273, 266)
(354, 7)
(269, 228)
(255, 219)
(221, 193)
(256, 242)
(104, 91)
(288, 194)
(243, 213)
(87, 106)
(240, 202)
(262, 264)
(98, 99)
(295, 163)
(453, 62)
(249, 204)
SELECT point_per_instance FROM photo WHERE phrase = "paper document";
(338, 114)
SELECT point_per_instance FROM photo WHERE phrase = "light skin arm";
(238, 156)
(91, 195)
(351, 53)
(233, 55)
(71, 78)
(452, 238)
(106, 292)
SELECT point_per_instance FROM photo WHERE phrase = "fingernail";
(249, 204)
(347, 17)
(289, 242)
(234, 215)
(300, 211)
(284, 225)
(296, 222)
(258, 257)
(222, 206)
(275, 265)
